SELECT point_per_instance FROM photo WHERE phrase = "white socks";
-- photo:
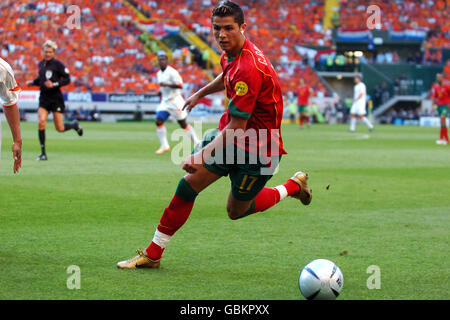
(162, 135)
(352, 124)
(282, 191)
(161, 239)
(364, 119)
(191, 132)
(367, 122)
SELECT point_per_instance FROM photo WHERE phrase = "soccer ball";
(321, 279)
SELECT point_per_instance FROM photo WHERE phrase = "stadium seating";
(102, 56)
(105, 55)
(402, 15)
(274, 26)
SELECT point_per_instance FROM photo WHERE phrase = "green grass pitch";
(100, 197)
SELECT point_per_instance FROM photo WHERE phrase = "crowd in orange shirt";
(402, 15)
(102, 55)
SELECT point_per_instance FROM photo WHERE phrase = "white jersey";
(169, 76)
(359, 107)
(9, 90)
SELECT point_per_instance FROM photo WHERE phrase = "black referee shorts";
(52, 104)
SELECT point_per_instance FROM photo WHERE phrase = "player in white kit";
(172, 102)
(359, 105)
(9, 96)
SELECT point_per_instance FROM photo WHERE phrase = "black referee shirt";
(55, 71)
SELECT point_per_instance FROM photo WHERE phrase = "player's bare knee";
(182, 124)
(42, 125)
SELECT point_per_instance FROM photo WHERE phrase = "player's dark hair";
(227, 8)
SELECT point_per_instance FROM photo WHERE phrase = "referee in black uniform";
(52, 76)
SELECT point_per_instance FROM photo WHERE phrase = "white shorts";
(359, 109)
(9, 90)
(174, 107)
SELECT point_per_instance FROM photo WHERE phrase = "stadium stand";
(274, 26)
(399, 15)
(103, 56)
(108, 53)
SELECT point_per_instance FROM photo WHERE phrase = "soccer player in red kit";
(247, 146)
(303, 92)
(440, 95)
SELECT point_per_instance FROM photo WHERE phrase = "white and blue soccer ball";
(321, 279)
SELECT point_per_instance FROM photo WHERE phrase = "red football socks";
(173, 218)
(154, 251)
(268, 197)
(265, 199)
(175, 215)
(291, 187)
(444, 134)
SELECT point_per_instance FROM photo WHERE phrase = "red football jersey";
(254, 93)
(441, 93)
(303, 95)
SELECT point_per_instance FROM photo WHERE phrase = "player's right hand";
(17, 155)
(192, 163)
(191, 102)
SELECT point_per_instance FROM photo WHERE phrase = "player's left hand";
(193, 162)
(17, 155)
(48, 84)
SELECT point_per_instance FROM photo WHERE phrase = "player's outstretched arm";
(13, 117)
(214, 86)
(34, 82)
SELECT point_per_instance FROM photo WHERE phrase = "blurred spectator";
(339, 106)
(138, 114)
(403, 85)
(389, 57)
(69, 115)
(81, 114)
(94, 114)
(410, 58)
(418, 58)
(376, 96)
(381, 58)
(328, 113)
(395, 57)
(385, 94)
(22, 115)
(447, 70)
